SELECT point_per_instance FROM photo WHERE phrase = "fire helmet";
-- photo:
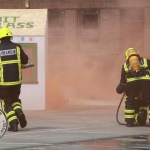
(5, 32)
(129, 52)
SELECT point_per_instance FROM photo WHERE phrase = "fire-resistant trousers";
(11, 102)
(132, 90)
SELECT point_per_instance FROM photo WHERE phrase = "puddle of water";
(141, 142)
(102, 145)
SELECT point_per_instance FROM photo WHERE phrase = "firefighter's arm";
(122, 85)
(120, 88)
(24, 58)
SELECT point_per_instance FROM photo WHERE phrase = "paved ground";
(80, 128)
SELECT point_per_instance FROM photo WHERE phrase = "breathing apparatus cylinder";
(134, 62)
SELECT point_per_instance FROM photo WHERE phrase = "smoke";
(76, 77)
(132, 29)
(62, 81)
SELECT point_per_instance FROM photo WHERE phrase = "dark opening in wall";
(90, 24)
(56, 25)
(88, 30)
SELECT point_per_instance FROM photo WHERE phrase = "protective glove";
(120, 88)
(23, 66)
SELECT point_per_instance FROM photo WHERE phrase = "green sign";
(11, 22)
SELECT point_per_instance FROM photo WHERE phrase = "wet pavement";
(141, 142)
(82, 128)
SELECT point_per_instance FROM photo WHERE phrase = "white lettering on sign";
(8, 52)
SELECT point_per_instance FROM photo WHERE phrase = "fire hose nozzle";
(28, 65)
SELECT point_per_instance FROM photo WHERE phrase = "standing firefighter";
(135, 76)
(12, 57)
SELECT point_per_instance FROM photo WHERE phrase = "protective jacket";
(12, 56)
(133, 78)
(127, 75)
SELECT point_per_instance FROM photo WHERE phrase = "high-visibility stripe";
(9, 62)
(144, 65)
(129, 116)
(3, 104)
(147, 77)
(17, 107)
(16, 103)
(19, 64)
(1, 71)
(143, 108)
(12, 118)
(125, 67)
(129, 111)
(10, 113)
(149, 114)
(134, 98)
(18, 61)
(136, 119)
(11, 83)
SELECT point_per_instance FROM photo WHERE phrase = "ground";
(76, 128)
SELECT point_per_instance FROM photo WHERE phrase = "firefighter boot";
(129, 124)
(22, 119)
(13, 128)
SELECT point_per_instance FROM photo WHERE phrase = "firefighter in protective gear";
(12, 57)
(135, 75)
(140, 106)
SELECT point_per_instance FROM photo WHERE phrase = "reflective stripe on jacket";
(143, 65)
(10, 67)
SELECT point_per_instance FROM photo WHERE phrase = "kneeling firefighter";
(135, 76)
(12, 57)
(140, 106)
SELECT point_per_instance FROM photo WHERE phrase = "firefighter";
(140, 106)
(135, 76)
(12, 57)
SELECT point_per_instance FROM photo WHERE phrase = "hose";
(118, 110)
